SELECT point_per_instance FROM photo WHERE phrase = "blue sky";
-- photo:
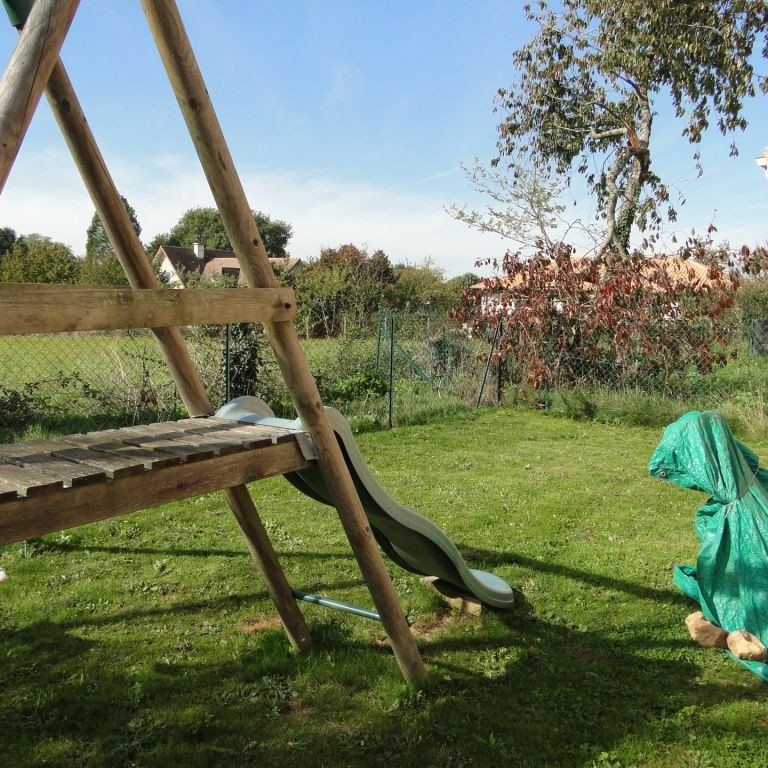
(347, 119)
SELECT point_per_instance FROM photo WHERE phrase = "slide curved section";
(408, 538)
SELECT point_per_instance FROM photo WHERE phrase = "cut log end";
(744, 645)
(704, 632)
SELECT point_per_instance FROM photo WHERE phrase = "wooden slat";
(28, 308)
(27, 482)
(213, 425)
(182, 449)
(107, 445)
(88, 461)
(68, 472)
(24, 518)
(37, 454)
(220, 445)
(220, 433)
(248, 436)
(166, 438)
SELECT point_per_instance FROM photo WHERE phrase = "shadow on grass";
(519, 691)
(490, 558)
(485, 557)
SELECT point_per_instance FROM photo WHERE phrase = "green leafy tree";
(420, 288)
(206, 224)
(38, 259)
(7, 239)
(101, 266)
(459, 284)
(343, 285)
(592, 78)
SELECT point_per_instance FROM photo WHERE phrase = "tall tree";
(97, 243)
(206, 224)
(101, 265)
(38, 259)
(588, 86)
(7, 239)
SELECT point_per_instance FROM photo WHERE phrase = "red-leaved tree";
(569, 321)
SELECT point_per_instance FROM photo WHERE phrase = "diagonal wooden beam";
(27, 73)
(178, 57)
(125, 242)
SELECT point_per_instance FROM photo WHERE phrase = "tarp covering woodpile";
(730, 578)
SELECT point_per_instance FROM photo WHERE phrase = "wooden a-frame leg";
(125, 242)
(181, 65)
(269, 566)
(27, 73)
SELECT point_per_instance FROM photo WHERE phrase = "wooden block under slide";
(458, 600)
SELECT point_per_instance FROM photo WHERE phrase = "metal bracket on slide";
(306, 446)
(252, 410)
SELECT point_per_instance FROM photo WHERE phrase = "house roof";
(216, 261)
(678, 270)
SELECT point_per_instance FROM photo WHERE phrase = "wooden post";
(27, 73)
(130, 252)
(179, 60)
(265, 557)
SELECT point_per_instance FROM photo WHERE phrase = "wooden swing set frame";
(130, 473)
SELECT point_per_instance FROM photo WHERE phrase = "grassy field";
(149, 640)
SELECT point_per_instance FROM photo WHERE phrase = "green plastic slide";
(730, 579)
(408, 538)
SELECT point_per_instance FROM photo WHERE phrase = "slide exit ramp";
(408, 538)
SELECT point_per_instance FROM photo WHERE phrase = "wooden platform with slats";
(50, 485)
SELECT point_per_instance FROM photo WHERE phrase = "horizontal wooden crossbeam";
(29, 308)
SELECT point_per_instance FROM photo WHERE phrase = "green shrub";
(19, 406)
(752, 300)
(363, 384)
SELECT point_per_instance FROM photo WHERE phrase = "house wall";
(169, 274)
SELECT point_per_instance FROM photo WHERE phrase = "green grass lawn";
(149, 640)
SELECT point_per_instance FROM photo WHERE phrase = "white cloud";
(45, 195)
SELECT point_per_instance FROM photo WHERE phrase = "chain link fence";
(593, 381)
(398, 369)
(395, 370)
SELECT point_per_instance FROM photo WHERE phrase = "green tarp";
(730, 579)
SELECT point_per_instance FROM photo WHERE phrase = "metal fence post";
(378, 341)
(499, 366)
(488, 365)
(391, 366)
(227, 366)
